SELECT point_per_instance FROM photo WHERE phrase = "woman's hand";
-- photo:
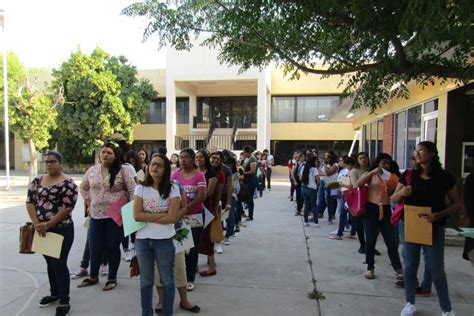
(406, 191)
(42, 228)
(431, 218)
(376, 170)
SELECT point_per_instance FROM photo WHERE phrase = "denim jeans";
(86, 256)
(299, 197)
(58, 272)
(161, 252)
(104, 234)
(372, 225)
(427, 281)
(434, 256)
(251, 185)
(309, 196)
(321, 202)
(192, 256)
(343, 213)
(331, 202)
(239, 210)
(229, 231)
(292, 188)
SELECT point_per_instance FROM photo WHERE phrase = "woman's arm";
(217, 199)
(211, 188)
(454, 206)
(253, 169)
(230, 189)
(365, 178)
(201, 196)
(141, 216)
(331, 170)
(172, 216)
(401, 191)
(85, 188)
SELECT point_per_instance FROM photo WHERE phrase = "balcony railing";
(203, 122)
(219, 141)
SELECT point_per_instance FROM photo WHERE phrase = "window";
(156, 113)
(283, 109)
(430, 106)
(407, 135)
(414, 132)
(400, 132)
(373, 138)
(304, 109)
(182, 111)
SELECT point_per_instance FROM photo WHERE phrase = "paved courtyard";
(267, 270)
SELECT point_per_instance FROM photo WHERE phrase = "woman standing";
(104, 186)
(309, 188)
(329, 169)
(174, 162)
(51, 198)
(156, 202)
(142, 158)
(430, 184)
(377, 218)
(194, 184)
(250, 177)
(206, 246)
(361, 167)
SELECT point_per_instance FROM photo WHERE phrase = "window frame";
(295, 109)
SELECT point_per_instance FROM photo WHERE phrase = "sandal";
(207, 273)
(399, 276)
(190, 287)
(370, 275)
(110, 285)
(88, 282)
(158, 309)
(335, 237)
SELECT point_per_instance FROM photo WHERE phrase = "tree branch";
(400, 51)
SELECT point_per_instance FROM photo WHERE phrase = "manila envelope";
(50, 245)
(418, 230)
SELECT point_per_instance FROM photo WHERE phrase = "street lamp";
(5, 100)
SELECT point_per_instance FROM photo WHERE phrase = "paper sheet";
(141, 175)
(225, 215)
(208, 217)
(114, 210)
(130, 225)
(183, 240)
(418, 230)
(467, 232)
(50, 245)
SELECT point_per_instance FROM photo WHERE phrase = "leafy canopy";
(380, 45)
(103, 100)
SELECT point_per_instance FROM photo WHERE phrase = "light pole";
(5, 100)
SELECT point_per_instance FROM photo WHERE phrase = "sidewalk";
(265, 271)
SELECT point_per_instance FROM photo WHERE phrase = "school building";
(202, 103)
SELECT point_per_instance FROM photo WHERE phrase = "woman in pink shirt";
(193, 183)
(105, 185)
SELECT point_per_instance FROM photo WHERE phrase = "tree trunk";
(33, 159)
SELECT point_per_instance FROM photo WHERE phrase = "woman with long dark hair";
(377, 218)
(430, 185)
(156, 203)
(362, 165)
(50, 201)
(327, 197)
(194, 184)
(104, 185)
(309, 190)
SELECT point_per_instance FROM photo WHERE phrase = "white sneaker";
(451, 313)
(408, 310)
(334, 232)
(226, 241)
(317, 225)
(218, 248)
(128, 255)
(305, 224)
(104, 269)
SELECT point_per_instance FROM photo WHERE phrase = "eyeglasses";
(50, 161)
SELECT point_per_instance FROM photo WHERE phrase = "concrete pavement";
(267, 270)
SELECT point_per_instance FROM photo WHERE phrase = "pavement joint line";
(253, 287)
(33, 292)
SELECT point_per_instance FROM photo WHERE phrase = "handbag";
(134, 269)
(217, 234)
(27, 232)
(356, 199)
(243, 195)
(398, 211)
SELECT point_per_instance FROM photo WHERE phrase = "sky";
(44, 33)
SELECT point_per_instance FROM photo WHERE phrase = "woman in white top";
(309, 189)
(156, 202)
(326, 197)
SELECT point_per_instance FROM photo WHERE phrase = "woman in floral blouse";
(104, 186)
(51, 198)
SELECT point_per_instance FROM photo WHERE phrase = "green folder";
(467, 232)
(130, 225)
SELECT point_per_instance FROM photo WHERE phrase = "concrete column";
(263, 140)
(192, 109)
(170, 114)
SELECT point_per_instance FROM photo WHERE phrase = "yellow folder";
(417, 229)
(50, 245)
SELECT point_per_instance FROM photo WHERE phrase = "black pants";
(58, 272)
(269, 178)
(86, 256)
(193, 256)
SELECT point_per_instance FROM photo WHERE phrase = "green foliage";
(103, 100)
(380, 46)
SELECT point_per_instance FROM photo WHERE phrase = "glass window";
(431, 106)
(182, 111)
(156, 113)
(400, 136)
(307, 109)
(283, 109)
(414, 131)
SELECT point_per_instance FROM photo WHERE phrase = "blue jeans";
(251, 185)
(427, 282)
(372, 225)
(331, 202)
(434, 256)
(162, 252)
(321, 202)
(309, 196)
(299, 197)
(104, 234)
(343, 213)
(229, 231)
(58, 272)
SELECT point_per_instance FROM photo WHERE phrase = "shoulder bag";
(398, 211)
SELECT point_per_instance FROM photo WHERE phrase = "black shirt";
(429, 192)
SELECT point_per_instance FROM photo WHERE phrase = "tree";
(103, 100)
(380, 46)
(32, 117)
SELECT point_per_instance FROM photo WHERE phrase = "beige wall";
(150, 132)
(312, 131)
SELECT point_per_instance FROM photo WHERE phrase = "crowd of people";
(319, 184)
(167, 193)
